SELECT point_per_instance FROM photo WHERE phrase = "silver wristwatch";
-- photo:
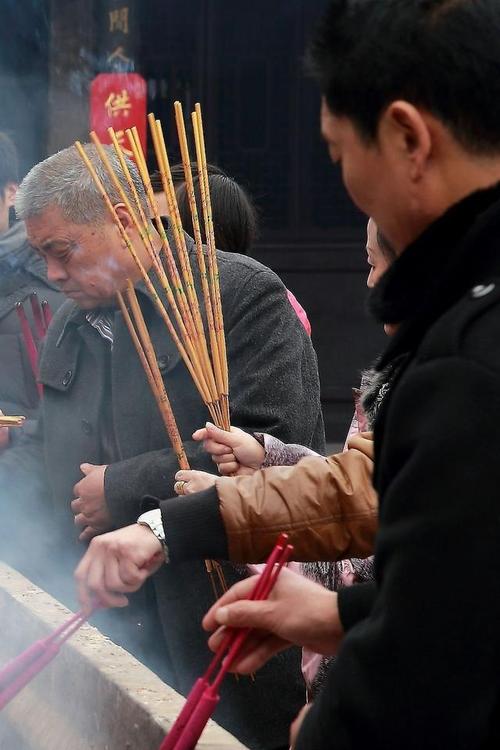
(152, 518)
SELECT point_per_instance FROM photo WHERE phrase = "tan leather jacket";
(327, 505)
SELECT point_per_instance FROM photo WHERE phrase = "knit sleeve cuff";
(355, 603)
(193, 525)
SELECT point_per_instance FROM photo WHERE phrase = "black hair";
(9, 169)
(440, 55)
(177, 171)
(234, 215)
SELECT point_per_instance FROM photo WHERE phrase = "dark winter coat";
(274, 388)
(420, 664)
(21, 273)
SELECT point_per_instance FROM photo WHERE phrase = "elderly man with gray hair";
(102, 446)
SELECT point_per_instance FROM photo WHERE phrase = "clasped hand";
(89, 506)
(236, 453)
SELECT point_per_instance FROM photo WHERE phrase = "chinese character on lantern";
(118, 20)
(118, 103)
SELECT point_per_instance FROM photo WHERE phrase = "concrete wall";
(93, 696)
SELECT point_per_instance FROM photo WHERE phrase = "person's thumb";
(86, 468)
(221, 436)
(244, 614)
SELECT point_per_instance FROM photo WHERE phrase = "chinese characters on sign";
(118, 20)
(118, 100)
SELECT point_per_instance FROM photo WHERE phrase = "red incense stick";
(23, 668)
(29, 343)
(203, 698)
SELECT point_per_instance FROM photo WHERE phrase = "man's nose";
(56, 272)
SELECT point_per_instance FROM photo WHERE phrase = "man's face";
(377, 260)
(376, 177)
(89, 263)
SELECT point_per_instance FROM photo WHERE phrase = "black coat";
(21, 273)
(274, 388)
(420, 664)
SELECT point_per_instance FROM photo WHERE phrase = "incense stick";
(11, 421)
(144, 347)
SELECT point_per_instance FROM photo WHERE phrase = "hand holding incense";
(204, 697)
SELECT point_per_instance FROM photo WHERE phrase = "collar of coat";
(455, 253)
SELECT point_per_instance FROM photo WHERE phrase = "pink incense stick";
(203, 698)
(29, 343)
(23, 668)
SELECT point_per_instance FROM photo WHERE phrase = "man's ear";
(125, 218)
(10, 191)
(406, 131)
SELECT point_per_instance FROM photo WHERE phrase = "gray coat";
(274, 388)
(21, 273)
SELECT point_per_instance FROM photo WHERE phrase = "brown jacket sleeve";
(327, 505)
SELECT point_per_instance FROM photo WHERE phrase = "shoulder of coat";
(470, 328)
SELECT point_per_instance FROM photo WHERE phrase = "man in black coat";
(411, 111)
(100, 418)
(22, 272)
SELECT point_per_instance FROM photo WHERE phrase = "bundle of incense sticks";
(42, 315)
(206, 362)
(202, 346)
(24, 668)
(203, 698)
(11, 421)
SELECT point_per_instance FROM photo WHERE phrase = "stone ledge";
(93, 696)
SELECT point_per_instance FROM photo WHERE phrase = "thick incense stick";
(212, 256)
(186, 163)
(11, 421)
(186, 322)
(209, 375)
(143, 228)
(144, 347)
(135, 321)
(167, 182)
(142, 271)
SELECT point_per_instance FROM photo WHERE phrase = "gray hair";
(64, 181)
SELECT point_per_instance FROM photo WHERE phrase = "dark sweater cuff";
(355, 603)
(193, 527)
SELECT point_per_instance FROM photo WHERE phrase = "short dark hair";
(441, 55)
(233, 213)
(9, 169)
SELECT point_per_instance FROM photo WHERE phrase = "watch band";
(152, 519)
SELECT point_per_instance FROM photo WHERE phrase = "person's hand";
(297, 723)
(89, 506)
(116, 564)
(298, 612)
(236, 453)
(189, 482)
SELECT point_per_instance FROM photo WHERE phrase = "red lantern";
(118, 100)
